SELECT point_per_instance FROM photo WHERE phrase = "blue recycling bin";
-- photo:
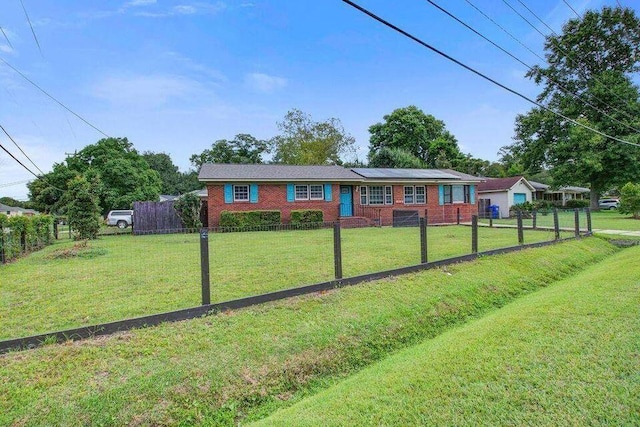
(494, 211)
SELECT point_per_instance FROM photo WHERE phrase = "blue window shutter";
(253, 193)
(472, 193)
(228, 193)
(327, 193)
(291, 193)
(441, 194)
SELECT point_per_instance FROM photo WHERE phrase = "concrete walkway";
(618, 232)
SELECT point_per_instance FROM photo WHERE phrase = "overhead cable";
(551, 80)
(19, 148)
(52, 97)
(484, 76)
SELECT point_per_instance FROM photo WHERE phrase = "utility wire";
(551, 80)
(484, 76)
(52, 97)
(17, 160)
(6, 38)
(544, 36)
(31, 26)
(21, 150)
(9, 184)
(536, 16)
(578, 71)
(572, 9)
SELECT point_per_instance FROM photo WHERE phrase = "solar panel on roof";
(387, 173)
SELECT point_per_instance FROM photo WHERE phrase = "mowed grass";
(566, 355)
(600, 220)
(127, 276)
(240, 366)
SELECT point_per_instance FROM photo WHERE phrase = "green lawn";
(241, 366)
(602, 220)
(567, 355)
(125, 276)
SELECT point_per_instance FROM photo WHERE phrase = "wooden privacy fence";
(155, 217)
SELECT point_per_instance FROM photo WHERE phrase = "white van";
(120, 218)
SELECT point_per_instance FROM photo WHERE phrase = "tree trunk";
(594, 195)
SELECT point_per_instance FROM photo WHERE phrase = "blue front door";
(346, 201)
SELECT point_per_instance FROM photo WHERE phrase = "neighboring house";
(504, 193)
(540, 190)
(167, 198)
(377, 195)
(15, 211)
(564, 194)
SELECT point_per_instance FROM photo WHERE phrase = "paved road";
(618, 232)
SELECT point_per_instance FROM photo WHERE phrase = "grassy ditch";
(242, 366)
(567, 355)
(70, 285)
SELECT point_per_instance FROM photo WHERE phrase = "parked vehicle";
(121, 218)
(608, 203)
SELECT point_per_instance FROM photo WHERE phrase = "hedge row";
(249, 218)
(23, 234)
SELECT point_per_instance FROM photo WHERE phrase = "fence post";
(534, 217)
(556, 223)
(3, 260)
(474, 234)
(520, 231)
(337, 250)
(55, 228)
(589, 228)
(576, 215)
(204, 266)
(423, 240)
(491, 219)
(458, 216)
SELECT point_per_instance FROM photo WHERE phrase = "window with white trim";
(414, 194)
(309, 192)
(316, 191)
(240, 193)
(302, 192)
(376, 195)
(457, 194)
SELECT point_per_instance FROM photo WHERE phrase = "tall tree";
(596, 57)
(244, 148)
(123, 176)
(305, 142)
(173, 181)
(395, 158)
(420, 134)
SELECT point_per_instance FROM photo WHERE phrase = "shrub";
(575, 203)
(22, 234)
(247, 219)
(188, 209)
(306, 216)
(83, 208)
(630, 199)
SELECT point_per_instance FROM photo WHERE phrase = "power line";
(9, 184)
(536, 16)
(31, 26)
(19, 148)
(6, 38)
(52, 97)
(544, 36)
(578, 71)
(551, 80)
(19, 162)
(484, 76)
(572, 9)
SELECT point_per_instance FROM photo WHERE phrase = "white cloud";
(264, 83)
(195, 8)
(5, 49)
(185, 10)
(146, 89)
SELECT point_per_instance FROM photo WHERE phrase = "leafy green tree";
(630, 199)
(173, 181)
(595, 56)
(83, 209)
(305, 142)
(420, 134)
(124, 176)
(188, 209)
(395, 158)
(9, 201)
(244, 148)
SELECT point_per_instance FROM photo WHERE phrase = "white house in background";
(560, 196)
(15, 211)
(504, 193)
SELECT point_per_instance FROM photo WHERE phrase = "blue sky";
(174, 76)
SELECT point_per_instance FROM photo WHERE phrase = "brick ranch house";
(373, 195)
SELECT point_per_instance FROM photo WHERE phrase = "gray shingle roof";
(235, 172)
